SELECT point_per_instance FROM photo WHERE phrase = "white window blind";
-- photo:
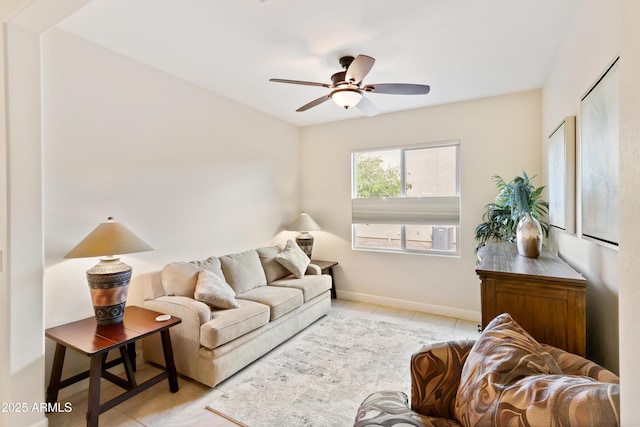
(406, 210)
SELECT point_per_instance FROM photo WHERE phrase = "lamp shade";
(107, 239)
(346, 98)
(303, 222)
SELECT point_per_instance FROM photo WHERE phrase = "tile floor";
(157, 406)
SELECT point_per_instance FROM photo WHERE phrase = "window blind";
(406, 210)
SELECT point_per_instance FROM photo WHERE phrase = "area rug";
(319, 377)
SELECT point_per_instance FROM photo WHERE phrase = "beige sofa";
(212, 344)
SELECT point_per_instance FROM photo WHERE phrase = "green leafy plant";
(374, 179)
(514, 199)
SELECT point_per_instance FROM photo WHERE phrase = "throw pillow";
(503, 354)
(293, 259)
(214, 291)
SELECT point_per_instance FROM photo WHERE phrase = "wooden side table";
(86, 337)
(327, 268)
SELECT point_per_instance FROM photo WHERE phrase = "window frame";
(403, 193)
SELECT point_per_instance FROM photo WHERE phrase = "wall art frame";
(599, 163)
(561, 152)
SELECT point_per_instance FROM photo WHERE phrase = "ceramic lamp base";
(305, 241)
(109, 286)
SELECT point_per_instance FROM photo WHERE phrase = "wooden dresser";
(544, 295)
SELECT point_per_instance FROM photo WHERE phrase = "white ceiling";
(464, 49)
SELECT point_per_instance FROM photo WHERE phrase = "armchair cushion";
(510, 379)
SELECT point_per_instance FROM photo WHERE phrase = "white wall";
(592, 43)
(499, 135)
(629, 210)
(192, 173)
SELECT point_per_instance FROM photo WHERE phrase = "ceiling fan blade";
(313, 103)
(359, 68)
(301, 82)
(367, 107)
(398, 89)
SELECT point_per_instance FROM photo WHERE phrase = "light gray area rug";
(319, 377)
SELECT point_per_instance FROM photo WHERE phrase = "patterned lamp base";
(109, 286)
(305, 241)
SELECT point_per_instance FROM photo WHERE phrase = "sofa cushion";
(310, 285)
(214, 291)
(243, 271)
(212, 264)
(227, 325)
(293, 259)
(179, 278)
(272, 268)
(507, 375)
(280, 300)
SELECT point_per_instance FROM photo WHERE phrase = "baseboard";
(458, 313)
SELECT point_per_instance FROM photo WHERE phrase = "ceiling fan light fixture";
(346, 98)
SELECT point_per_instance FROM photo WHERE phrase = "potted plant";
(516, 201)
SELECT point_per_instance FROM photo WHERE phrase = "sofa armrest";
(435, 377)
(572, 364)
(188, 309)
(185, 337)
(313, 270)
(391, 408)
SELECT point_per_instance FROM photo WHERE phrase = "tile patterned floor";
(157, 406)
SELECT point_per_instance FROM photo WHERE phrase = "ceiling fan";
(348, 89)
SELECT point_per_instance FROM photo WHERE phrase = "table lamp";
(304, 223)
(109, 279)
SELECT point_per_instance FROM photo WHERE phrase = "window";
(407, 199)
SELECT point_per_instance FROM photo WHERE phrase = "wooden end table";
(326, 267)
(86, 337)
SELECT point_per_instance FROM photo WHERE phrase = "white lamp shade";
(303, 222)
(346, 98)
(107, 239)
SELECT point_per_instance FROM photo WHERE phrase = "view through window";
(407, 199)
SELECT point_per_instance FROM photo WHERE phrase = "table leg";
(126, 360)
(333, 284)
(56, 374)
(95, 374)
(168, 360)
(132, 354)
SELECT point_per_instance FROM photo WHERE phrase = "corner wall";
(591, 45)
(629, 211)
(499, 136)
(192, 173)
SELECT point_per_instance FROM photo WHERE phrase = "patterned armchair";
(505, 378)
(435, 377)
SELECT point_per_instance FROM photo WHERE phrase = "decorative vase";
(529, 236)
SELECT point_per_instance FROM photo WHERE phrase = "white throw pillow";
(214, 291)
(293, 259)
